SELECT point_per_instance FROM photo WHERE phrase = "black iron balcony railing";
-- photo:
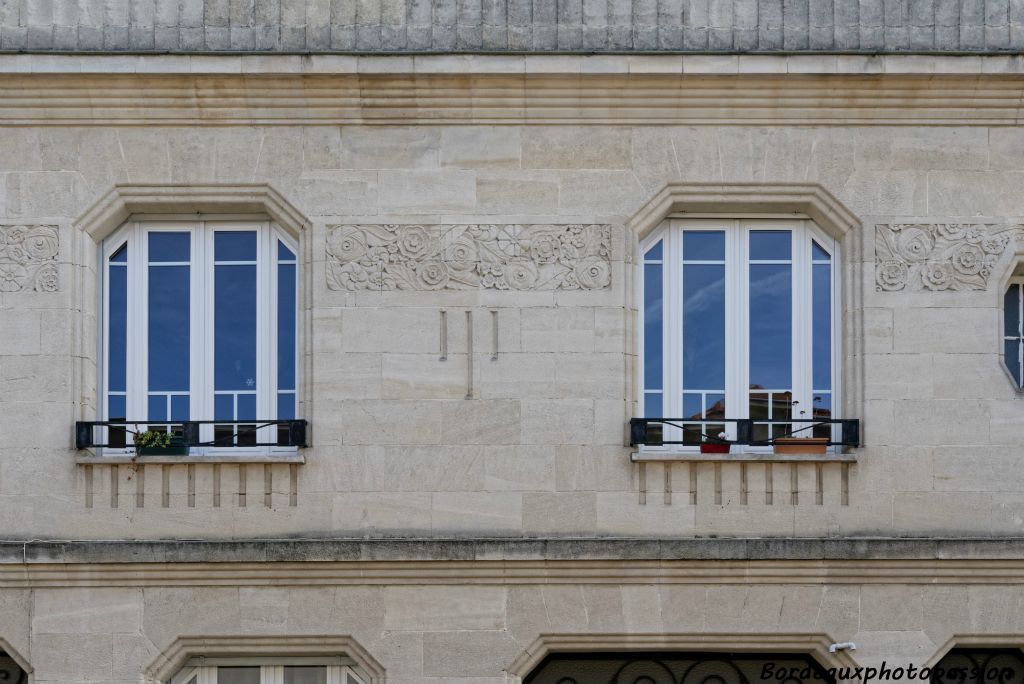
(117, 434)
(748, 431)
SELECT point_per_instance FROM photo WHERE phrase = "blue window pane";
(703, 327)
(1011, 312)
(179, 407)
(234, 245)
(246, 407)
(224, 407)
(702, 245)
(285, 406)
(168, 328)
(286, 326)
(714, 406)
(822, 406)
(117, 335)
(121, 255)
(692, 407)
(771, 244)
(771, 326)
(283, 253)
(157, 407)
(652, 405)
(116, 407)
(1011, 349)
(234, 328)
(165, 247)
(654, 253)
(821, 324)
(653, 315)
(819, 254)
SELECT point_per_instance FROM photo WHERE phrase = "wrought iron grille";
(980, 666)
(677, 668)
(226, 433)
(749, 431)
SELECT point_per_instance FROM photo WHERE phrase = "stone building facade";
(464, 209)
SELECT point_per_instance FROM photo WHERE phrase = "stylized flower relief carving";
(938, 256)
(28, 258)
(468, 256)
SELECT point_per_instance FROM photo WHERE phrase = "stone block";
(421, 376)
(566, 421)
(386, 147)
(519, 468)
(443, 608)
(391, 422)
(921, 330)
(559, 513)
(477, 513)
(481, 421)
(560, 147)
(427, 191)
(513, 193)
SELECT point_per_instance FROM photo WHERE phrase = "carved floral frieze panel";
(28, 258)
(938, 256)
(468, 256)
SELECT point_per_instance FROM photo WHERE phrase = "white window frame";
(737, 353)
(271, 671)
(201, 350)
(1017, 282)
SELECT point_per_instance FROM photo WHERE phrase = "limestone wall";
(539, 448)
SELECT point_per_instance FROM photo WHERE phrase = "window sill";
(749, 457)
(93, 459)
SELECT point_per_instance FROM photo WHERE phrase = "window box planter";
(800, 445)
(174, 447)
(714, 448)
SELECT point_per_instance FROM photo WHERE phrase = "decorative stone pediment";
(808, 199)
(469, 256)
(179, 651)
(123, 200)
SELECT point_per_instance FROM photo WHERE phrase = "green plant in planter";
(152, 439)
(159, 443)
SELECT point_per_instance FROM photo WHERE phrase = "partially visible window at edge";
(199, 324)
(1013, 331)
(739, 322)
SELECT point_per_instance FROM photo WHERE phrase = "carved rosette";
(28, 258)
(938, 256)
(468, 256)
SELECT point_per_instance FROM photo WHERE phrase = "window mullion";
(208, 349)
(802, 359)
(138, 294)
(272, 674)
(266, 287)
(672, 332)
(738, 323)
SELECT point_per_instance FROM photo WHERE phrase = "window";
(978, 665)
(200, 325)
(739, 322)
(237, 672)
(1013, 332)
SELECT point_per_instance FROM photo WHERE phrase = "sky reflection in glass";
(771, 326)
(168, 309)
(234, 313)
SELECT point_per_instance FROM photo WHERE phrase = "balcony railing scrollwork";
(119, 434)
(760, 432)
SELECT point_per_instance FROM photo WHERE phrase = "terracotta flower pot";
(816, 446)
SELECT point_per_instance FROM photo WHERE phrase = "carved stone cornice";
(939, 256)
(468, 256)
(28, 258)
(531, 98)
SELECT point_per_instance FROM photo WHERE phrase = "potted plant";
(159, 443)
(791, 445)
(711, 445)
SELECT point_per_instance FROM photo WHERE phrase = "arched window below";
(677, 668)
